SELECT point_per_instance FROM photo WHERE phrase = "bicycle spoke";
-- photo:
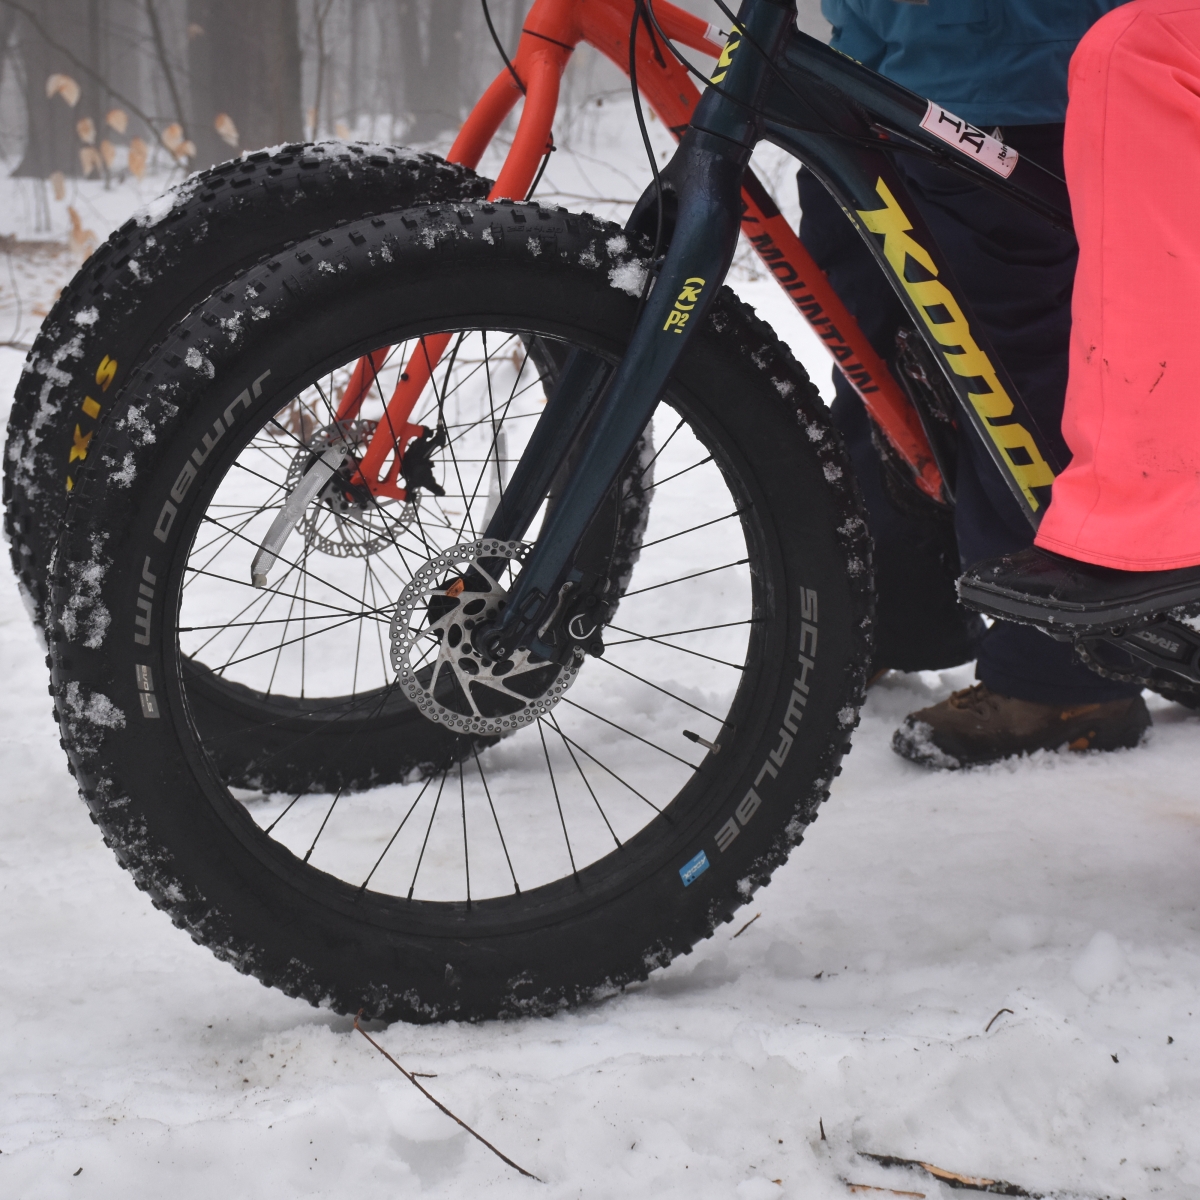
(462, 793)
(624, 783)
(658, 483)
(658, 453)
(655, 686)
(586, 784)
(351, 555)
(557, 800)
(683, 578)
(271, 827)
(704, 525)
(659, 641)
(499, 832)
(403, 821)
(428, 830)
(629, 733)
(336, 798)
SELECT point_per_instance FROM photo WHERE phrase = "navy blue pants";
(1016, 273)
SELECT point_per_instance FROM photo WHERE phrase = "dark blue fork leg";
(708, 168)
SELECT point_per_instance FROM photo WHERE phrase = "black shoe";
(1040, 588)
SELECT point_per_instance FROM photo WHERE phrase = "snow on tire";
(601, 839)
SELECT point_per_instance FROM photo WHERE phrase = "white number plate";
(962, 135)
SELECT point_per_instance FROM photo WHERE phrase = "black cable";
(686, 64)
(658, 58)
(929, 154)
(925, 152)
(638, 15)
(487, 16)
(787, 83)
(542, 169)
(765, 56)
(708, 84)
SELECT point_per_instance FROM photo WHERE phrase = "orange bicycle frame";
(551, 32)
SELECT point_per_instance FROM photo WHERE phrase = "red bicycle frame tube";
(552, 30)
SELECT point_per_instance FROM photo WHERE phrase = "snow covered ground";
(1063, 888)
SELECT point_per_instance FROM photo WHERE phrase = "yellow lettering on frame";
(961, 351)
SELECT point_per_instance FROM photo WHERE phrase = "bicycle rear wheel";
(569, 829)
(149, 274)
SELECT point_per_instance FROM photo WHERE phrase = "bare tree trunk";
(431, 46)
(244, 62)
(52, 141)
(179, 113)
(353, 90)
(8, 22)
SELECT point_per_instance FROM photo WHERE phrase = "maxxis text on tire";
(148, 274)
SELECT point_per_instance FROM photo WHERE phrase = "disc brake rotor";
(436, 663)
(341, 522)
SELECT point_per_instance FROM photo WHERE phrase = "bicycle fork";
(708, 167)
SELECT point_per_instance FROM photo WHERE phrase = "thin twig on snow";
(438, 1104)
(746, 926)
(974, 1183)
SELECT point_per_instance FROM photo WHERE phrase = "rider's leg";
(919, 624)
(1121, 538)
(1017, 273)
(1131, 497)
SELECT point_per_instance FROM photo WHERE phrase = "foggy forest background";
(104, 88)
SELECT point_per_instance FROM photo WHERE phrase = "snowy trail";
(1063, 888)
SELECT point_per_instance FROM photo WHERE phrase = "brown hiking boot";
(980, 726)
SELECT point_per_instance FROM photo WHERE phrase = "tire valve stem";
(714, 747)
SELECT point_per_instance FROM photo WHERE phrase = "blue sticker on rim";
(694, 868)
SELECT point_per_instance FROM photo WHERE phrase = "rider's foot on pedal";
(1042, 588)
(976, 726)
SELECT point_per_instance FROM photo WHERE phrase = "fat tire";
(256, 905)
(149, 273)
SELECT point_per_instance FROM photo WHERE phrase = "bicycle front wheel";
(565, 829)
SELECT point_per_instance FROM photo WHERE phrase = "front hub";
(438, 665)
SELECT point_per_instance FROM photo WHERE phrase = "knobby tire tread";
(733, 330)
(149, 273)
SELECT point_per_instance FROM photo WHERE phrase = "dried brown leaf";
(90, 160)
(195, 31)
(86, 128)
(117, 119)
(58, 182)
(187, 150)
(226, 129)
(342, 130)
(137, 157)
(83, 241)
(172, 137)
(64, 86)
(108, 152)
